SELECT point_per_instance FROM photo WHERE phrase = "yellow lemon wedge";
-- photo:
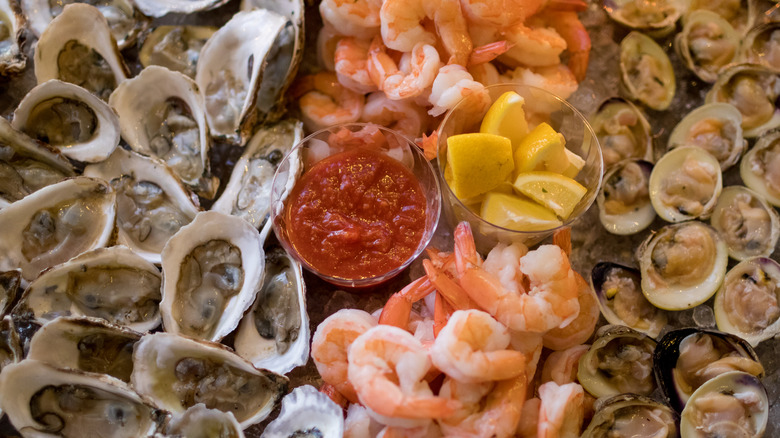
(555, 191)
(477, 163)
(516, 213)
(506, 117)
(576, 163)
(542, 149)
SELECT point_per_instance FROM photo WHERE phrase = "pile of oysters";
(128, 310)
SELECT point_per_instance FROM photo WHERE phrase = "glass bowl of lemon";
(517, 167)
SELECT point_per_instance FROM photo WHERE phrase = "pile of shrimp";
(403, 63)
(457, 352)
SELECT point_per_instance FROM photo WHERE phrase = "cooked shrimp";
(504, 13)
(401, 115)
(560, 411)
(429, 145)
(387, 367)
(453, 83)
(330, 343)
(325, 102)
(579, 330)
(334, 395)
(529, 419)
(359, 18)
(571, 29)
(530, 344)
(472, 347)
(429, 430)
(485, 73)
(398, 308)
(490, 410)
(532, 46)
(359, 424)
(351, 64)
(488, 52)
(557, 79)
(450, 290)
(561, 366)
(327, 39)
(402, 84)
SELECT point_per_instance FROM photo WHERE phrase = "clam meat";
(761, 45)
(178, 372)
(12, 23)
(632, 415)
(707, 43)
(748, 224)
(740, 14)
(715, 127)
(646, 71)
(198, 421)
(746, 304)
(56, 223)
(307, 412)
(656, 18)
(176, 48)
(753, 90)
(624, 199)
(623, 131)
(760, 167)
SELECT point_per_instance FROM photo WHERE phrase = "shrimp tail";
(562, 239)
(488, 52)
(466, 255)
(571, 29)
(442, 311)
(567, 5)
(398, 308)
(429, 145)
(450, 290)
(334, 395)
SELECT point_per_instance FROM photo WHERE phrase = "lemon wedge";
(477, 163)
(576, 163)
(553, 190)
(542, 149)
(516, 213)
(506, 117)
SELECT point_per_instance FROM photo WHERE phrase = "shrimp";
(532, 46)
(359, 18)
(530, 344)
(398, 308)
(561, 366)
(485, 73)
(579, 330)
(387, 367)
(402, 115)
(472, 347)
(490, 410)
(327, 40)
(488, 52)
(571, 29)
(402, 84)
(334, 395)
(330, 344)
(529, 419)
(359, 424)
(429, 145)
(452, 84)
(429, 430)
(504, 13)
(325, 102)
(351, 65)
(402, 27)
(561, 410)
(557, 79)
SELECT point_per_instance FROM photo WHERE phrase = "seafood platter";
(178, 186)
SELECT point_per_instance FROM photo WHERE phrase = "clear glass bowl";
(540, 106)
(315, 148)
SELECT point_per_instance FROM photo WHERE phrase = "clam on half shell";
(628, 415)
(623, 131)
(706, 44)
(77, 47)
(12, 22)
(624, 198)
(760, 167)
(748, 224)
(715, 127)
(646, 71)
(761, 45)
(656, 18)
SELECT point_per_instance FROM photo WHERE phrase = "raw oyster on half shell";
(201, 422)
(176, 48)
(156, 8)
(12, 23)
(307, 412)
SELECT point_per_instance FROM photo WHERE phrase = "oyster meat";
(12, 22)
(715, 127)
(307, 412)
(55, 224)
(198, 421)
(748, 224)
(212, 269)
(10, 281)
(176, 48)
(178, 372)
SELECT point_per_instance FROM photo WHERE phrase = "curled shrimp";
(330, 344)
(529, 418)
(387, 367)
(402, 115)
(583, 326)
(571, 29)
(359, 424)
(358, 18)
(561, 410)
(423, 64)
(561, 366)
(325, 102)
(532, 46)
(351, 64)
(472, 347)
(452, 84)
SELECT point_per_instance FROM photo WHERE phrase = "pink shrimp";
(325, 102)
(561, 410)
(398, 308)
(583, 326)
(452, 84)
(387, 367)
(429, 145)
(529, 419)
(401, 115)
(504, 13)
(402, 84)
(569, 26)
(358, 18)
(351, 65)
(561, 366)
(488, 52)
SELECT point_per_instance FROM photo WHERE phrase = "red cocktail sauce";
(356, 214)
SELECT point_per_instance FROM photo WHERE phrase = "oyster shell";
(27, 165)
(624, 199)
(620, 360)
(86, 344)
(154, 8)
(77, 287)
(657, 18)
(212, 269)
(746, 303)
(623, 131)
(646, 72)
(123, 19)
(687, 358)
(748, 224)
(732, 404)
(632, 415)
(10, 281)
(715, 127)
(12, 22)
(69, 118)
(42, 400)
(77, 47)
(761, 45)
(152, 204)
(10, 347)
(248, 193)
(682, 265)
(621, 301)
(753, 90)
(306, 411)
(759, 167)
(55, 224)
(176, 48)
(177, 372)
(706, 44)
(161, 115)
(198, 421)
(231, 68)
(274, 333)
(685, 184)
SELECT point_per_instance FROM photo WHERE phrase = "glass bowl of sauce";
(355, 203)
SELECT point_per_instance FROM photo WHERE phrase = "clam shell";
(716, 127)
(618, 123)
(758, 167)
(760, 46)
(624, 180)
(707, 44)
(655, 88)
(633, 412)
(654, 18)
(748, 224)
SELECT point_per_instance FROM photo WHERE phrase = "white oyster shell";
(231, 68)
(176, 48)
(201, 422)
(152, 204)
(12, 58)
(77, 287)
(212, 269)
(78, 47)
(306, 410)
(155, 8)
(178, 372)
(56, 111)
(111, 409)
(55, 224)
